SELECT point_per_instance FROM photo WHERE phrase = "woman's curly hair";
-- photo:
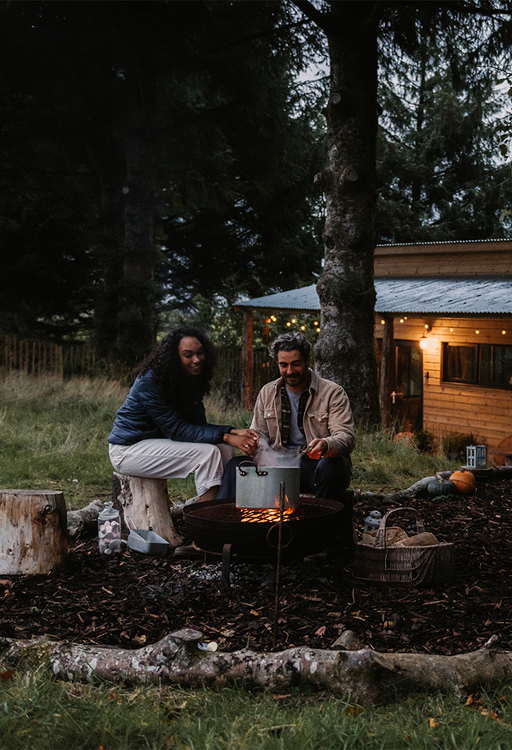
(167, 368)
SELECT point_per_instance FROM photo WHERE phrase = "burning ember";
(264, 515)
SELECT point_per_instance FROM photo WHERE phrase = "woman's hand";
(244, 440)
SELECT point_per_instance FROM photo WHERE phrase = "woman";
(161, 429)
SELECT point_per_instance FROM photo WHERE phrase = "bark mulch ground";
(137, 599)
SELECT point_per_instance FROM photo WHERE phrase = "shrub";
(455, 443)
(425, 441)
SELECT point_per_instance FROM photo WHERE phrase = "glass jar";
(109, 530)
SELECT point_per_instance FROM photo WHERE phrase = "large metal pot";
(259, 486)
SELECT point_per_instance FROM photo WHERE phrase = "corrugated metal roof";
(444, 242)
(444, 296)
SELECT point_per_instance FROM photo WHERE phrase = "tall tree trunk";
(345, 351)
(136, 315)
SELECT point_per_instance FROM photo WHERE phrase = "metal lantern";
(372, 522)
(476, 456)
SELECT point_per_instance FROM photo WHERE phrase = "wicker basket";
(403, 565)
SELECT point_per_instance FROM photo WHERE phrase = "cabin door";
(407, 410)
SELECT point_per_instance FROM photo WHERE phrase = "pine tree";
(184, 140)
(438, 177)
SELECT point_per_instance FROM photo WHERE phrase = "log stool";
(33, 531)
(145, 505)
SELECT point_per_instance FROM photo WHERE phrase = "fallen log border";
(364, 676)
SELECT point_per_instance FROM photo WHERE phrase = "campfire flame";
(263, 515)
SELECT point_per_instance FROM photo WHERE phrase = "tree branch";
(364, 675)
(313, 14)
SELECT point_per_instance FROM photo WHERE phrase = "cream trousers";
(173, 460)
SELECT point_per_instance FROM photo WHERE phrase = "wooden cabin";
(443, 331)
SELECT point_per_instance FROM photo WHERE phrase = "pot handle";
(250, 463)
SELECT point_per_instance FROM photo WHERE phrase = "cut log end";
(33, 531)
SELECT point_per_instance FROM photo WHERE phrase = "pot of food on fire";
(260, 486)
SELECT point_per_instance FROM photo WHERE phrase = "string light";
(303, 328)
(288, 324)
(318, 330)
(293, 320)
(382, 322)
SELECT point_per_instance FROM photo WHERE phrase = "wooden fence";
(39, 358)
(67, 360)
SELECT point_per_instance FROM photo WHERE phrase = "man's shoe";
(319, 557)
(188, 550)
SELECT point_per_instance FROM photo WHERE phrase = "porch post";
(247, 364)
(387, 373)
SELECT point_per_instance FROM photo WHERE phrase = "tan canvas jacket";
(327, 415)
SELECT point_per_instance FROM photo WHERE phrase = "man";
(301, 409)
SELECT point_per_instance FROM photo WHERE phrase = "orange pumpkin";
(464, 481)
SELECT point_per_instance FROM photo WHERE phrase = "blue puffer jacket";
(147, 414)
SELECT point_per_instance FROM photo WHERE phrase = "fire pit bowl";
(253, 533)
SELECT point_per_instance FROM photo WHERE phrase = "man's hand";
(316, 448)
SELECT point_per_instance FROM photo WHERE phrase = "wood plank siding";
(484, 412)
(440, 259)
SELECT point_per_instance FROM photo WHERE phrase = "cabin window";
(496, 365)
(478, 364)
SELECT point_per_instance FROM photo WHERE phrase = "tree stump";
(33, 531)
(145, 505)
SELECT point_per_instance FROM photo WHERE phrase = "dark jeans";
(327, 477)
